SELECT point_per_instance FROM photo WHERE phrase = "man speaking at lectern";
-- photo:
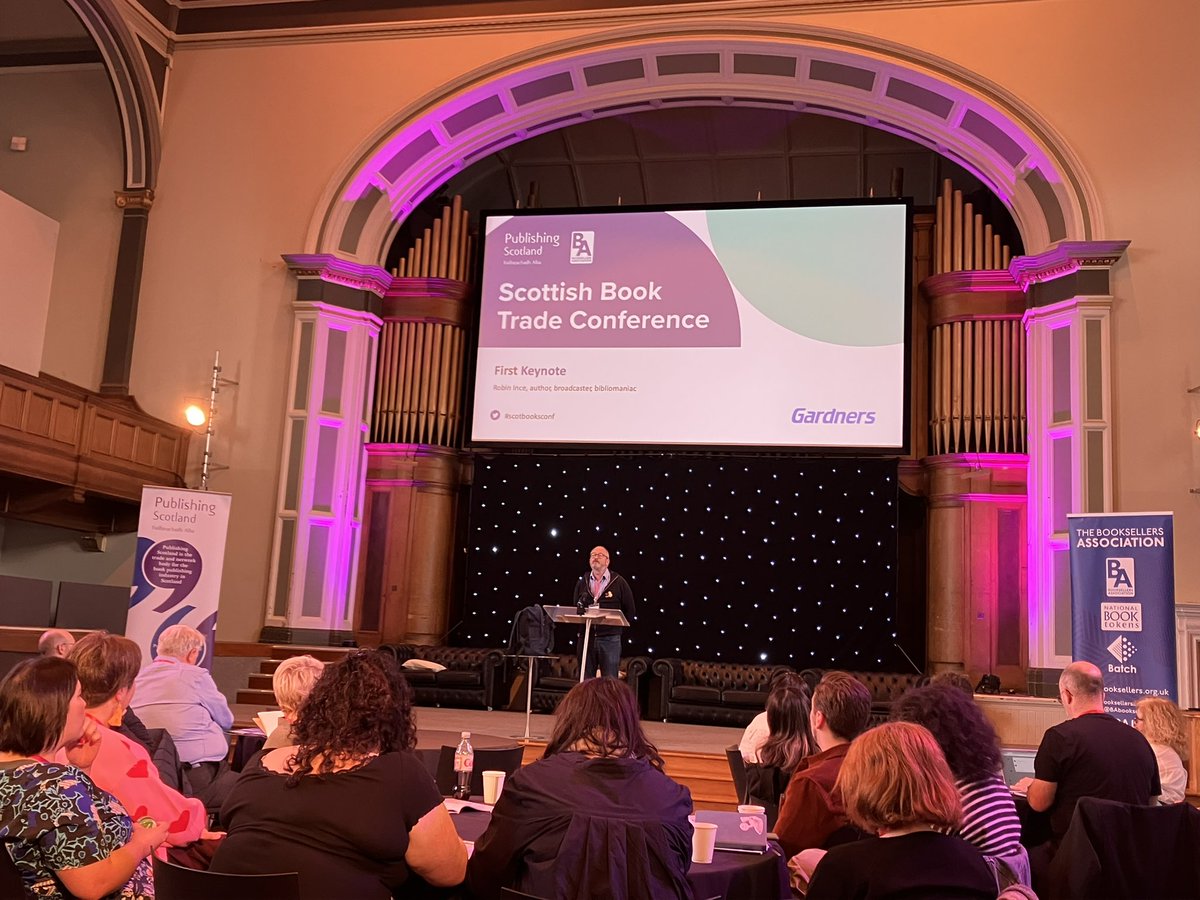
(604, 588)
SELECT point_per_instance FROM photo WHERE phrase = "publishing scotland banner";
(177, 573)
(1123, 604)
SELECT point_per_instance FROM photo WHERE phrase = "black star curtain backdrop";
(760, 559)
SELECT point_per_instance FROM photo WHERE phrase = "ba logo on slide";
(1118, 577)
(1120, 617)
(582, 244)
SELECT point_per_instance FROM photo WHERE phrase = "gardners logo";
(1118, 577)
(1120, 617)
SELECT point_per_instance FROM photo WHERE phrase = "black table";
(763, 876)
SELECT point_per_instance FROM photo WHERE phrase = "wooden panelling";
(38, 413)
(55, 434)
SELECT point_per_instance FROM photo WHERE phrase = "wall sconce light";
(196, 417)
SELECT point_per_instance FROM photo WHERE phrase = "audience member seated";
(811, 813)
(956, 680)
(598, 789)
(1090, 755)
(897, 786)
(65, 835)
(176, 694)
(789, 740)
(759, 730)
(1161, 723)
(350, 806)
(972, 750)
(161, 748)
(56, 642)
(106, 665)
(292, 682)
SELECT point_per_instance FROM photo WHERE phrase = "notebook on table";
(739, 832)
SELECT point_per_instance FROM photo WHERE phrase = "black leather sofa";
(473, 676)
(710, 693)
(557, 676)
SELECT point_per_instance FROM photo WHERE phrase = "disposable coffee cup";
(750, 810)
(704, 842)
(493, 785)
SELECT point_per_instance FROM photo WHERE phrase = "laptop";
(739, 832)
(1018, 763)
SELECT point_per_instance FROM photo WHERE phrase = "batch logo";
(582, 245)
(1118, 577)
(1122, 649)
(1120, 617)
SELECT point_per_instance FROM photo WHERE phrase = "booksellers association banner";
(1123, 604)
(177, 574)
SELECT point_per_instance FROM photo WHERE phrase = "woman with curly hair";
(972, 751)
(350, 807)
(594, 817)
(1161, 723)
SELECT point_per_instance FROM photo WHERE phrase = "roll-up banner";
(177, 573)
(1123, 604)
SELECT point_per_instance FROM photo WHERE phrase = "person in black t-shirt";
(1090, 755)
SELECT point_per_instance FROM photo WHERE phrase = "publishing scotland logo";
(1118, 577)
(583, 243)
(1122, 649)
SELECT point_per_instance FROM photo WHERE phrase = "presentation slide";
(764, 326)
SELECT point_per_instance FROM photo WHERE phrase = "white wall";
(54, 554)
(73, 165)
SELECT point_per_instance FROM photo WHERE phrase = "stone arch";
(888, 86)
(133, 87)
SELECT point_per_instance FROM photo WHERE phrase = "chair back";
(172, 882)
(11, 884)
(503, 759)
(1123, 851)
(737, 768)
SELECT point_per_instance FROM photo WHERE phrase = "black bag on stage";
(532, 632)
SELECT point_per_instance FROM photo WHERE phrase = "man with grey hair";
(176, 694)
(1089, 755)
(292, 681)
(56, 642)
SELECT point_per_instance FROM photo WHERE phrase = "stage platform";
(694, 754)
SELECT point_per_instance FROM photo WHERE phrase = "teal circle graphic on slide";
(805, 268)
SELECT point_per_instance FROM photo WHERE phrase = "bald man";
(1089, 755)
(604, 588)
(56, 642)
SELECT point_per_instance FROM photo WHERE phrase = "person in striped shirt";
(972, 750)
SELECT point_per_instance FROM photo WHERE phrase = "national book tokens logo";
(1120, 617)
(583, 243)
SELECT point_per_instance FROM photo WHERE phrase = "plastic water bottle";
(464, 762)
